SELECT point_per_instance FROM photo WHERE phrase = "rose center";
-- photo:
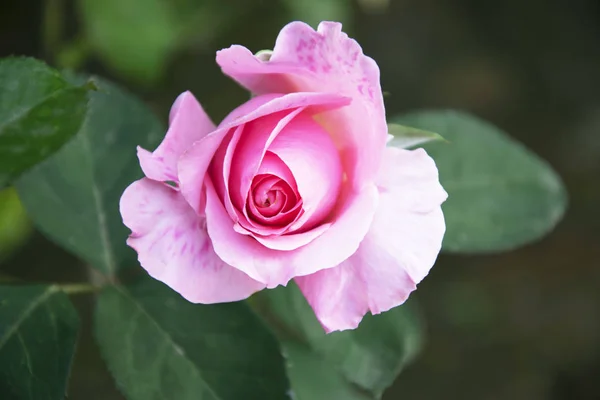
(269, 197)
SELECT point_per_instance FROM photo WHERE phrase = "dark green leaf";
(159, 346)
(74, 195)
(38, 331)
(501, 195)
(370, 357)
(313, 378)
(407, 137)
(39, 112)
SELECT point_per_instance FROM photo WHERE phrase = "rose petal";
(273, 189)
(266, 225)
(301, 144)
(219, 170)
(248, 70)
(279, 224)
(188, 123)
(272, 164)
(274, 267)
(249, 158)
(323, 61)
(410, 189)
(415, 175)
(173, 246)
(193, 164)
(266, 200)
(293, 241)
(308, 151)
(250, 151)
(399, 250)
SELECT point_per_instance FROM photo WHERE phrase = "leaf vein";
(26, 111)
(107, 251)
(32, 306)
(168, 338)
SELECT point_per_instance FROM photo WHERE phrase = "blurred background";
(521, 325)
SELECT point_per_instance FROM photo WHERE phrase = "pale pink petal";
(337, 295)
(274, 267)
(173, 246)
(292, 241)
(188, 123)
(342, 295)
(249, 70)
(176, 104)
(410, 223)
(193, 164)
(397, 253)
(308, 151)
(325, 60)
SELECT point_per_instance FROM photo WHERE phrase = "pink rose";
(297, 183)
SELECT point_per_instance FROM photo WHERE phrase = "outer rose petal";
(193, 164)
(173, 246)
(323, 61)
(274, 267)
(188, 123)
(397, 253)
(248, 70)
(411, 191)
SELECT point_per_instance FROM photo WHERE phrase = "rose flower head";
(296, 183)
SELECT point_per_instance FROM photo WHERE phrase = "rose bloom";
(296, 183)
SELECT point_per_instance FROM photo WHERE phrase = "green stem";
(261, 308)
(68, 288)
(79, 288)
(53, 27)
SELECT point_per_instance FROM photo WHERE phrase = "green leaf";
(406, 137)
(501, 195)
(134, 37)
(15, 227)
(38, 331)
(73, 197)
(39, 112)
(159, 346)
(313, 378)
(369, 357)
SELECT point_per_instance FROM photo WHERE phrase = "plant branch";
(79, 288)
